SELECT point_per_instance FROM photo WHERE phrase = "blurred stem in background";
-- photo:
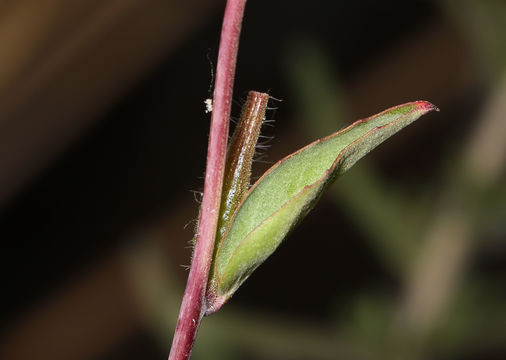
(483, 23)
(451, 240)
(437, 276)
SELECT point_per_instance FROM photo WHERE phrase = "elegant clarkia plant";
(241, 226)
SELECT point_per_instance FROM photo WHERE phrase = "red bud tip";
(425, 105)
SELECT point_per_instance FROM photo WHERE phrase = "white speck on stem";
(209, 105)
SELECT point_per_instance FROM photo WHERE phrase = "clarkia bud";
(288, 190)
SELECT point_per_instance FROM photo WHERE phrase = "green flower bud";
(287, 192)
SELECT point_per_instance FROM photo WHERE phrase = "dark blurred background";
(103, 137)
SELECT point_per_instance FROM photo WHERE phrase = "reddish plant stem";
(193, 306)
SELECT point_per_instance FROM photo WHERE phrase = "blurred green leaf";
(287, 191)
(484, 23)
(321, 100)
(476, 319)
(368, 318)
